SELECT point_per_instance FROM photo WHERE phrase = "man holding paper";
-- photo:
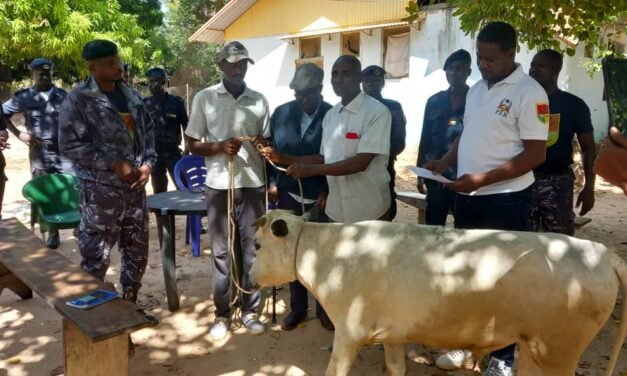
(504, 139)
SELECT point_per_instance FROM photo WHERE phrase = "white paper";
(427, 174)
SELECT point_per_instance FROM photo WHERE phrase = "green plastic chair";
(54, 198)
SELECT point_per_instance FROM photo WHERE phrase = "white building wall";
(439, 36)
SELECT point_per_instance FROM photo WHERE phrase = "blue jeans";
(505, 211)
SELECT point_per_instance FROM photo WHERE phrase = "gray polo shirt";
(217, 116)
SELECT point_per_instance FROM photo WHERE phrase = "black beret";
(373, 71)
(126, 66)
(156, 72)
(99, 48)
(459, 55)
(40, 63)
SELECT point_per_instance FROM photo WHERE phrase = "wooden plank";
(11, 282)
(57, 280)
(415, 199)
(84, 357)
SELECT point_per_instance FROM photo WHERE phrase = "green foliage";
(539, 22)
(193, 63)
(58, 29)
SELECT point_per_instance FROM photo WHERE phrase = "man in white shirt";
(221, 116)
(504, 138)
(354, 150)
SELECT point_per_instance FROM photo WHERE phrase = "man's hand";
(299, 171)
(322, 200)
(611, 163)
(143, 174)
(26, 138)
(270, 154)
(273, 194)
(4, 136)
(125, 171)
(467, 183)
(420, 185)
(585, 199)
(438, 166)
(231, 146)
(259, 140)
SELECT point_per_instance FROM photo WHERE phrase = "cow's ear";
(279, 228)
(260, 222)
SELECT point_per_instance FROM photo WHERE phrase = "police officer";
(169, 115)
(4, 136)
(40, 106)
(106, 130)
(126, 76)
(373, 81)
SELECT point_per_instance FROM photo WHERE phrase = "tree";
(58, 30)
(592, 22)
(193, 63)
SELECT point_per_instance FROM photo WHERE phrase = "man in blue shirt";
(40, 106)
(170, 117)
(443, 123)
(373, 81)
(296, 129)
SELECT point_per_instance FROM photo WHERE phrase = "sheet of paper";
(427, 174)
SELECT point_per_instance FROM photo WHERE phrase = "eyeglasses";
(309, 93)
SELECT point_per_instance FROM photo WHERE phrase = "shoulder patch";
(542, 112)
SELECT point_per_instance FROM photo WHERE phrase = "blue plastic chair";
(192, 168)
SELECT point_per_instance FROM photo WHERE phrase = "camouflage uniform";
(42, 123)
(552, 203)
(94, 136)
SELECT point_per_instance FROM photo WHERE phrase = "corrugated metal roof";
(336, 30)
(213, 30)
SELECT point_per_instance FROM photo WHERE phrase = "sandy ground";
(30, 337)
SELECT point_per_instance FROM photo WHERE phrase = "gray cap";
(233, 52)
(307, 76)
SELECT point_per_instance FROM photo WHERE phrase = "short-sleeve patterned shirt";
(217, 116)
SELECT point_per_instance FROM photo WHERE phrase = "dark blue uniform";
(440, 128)
(3, 164)
(397, 144)
(169, 116)
(42, 123)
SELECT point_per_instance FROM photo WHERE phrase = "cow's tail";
(621, 271)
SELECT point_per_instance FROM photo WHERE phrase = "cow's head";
(275, 241)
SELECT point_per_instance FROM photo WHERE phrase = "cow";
(480, 290)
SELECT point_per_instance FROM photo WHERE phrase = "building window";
(310, 47)
(310, 52)
(396, 51)
(350, 44)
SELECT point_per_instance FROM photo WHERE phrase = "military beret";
(99, 48)
(307, 76)
(233, 52)
(40, 63)
(373, 71)
(459, 55)
(156, 72)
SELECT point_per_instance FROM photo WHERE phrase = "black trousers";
(165, 164)
(505, 211)
(440, 201)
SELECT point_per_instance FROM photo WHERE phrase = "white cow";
(479, 290)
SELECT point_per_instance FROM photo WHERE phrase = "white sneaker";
(454, 359)
(497, 367)
(219, 329)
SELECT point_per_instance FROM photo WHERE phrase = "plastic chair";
(189, 174)
(54, 199)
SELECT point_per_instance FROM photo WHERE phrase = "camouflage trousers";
(552, 203)
(111, 215)
(44, 162)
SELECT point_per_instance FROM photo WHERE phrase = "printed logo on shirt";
(504, 107)
(554, 130)
(542, 111)
(171, 116)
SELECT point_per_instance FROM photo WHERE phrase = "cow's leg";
(395, 358)
(551, 363)
(527, 366)
(343, 355)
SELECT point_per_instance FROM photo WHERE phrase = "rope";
(233, 270)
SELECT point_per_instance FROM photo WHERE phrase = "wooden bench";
(415, 199)
(95, 341)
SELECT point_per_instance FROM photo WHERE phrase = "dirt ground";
(30, 336)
